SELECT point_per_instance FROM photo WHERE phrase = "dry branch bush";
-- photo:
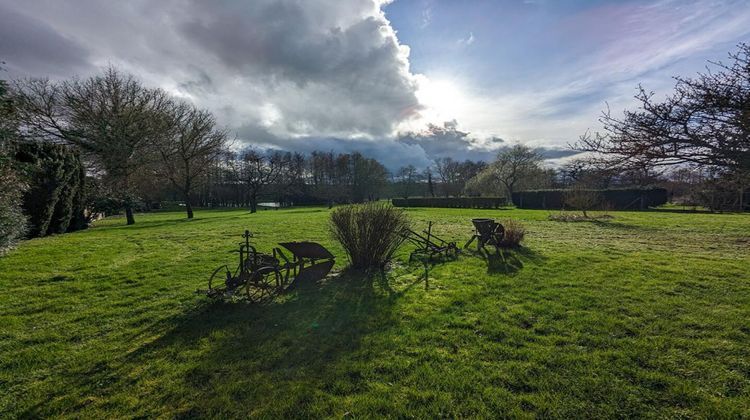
(514, 233)
(370, 233)
(582, 198)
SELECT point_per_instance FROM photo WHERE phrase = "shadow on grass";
(299, 338)
(328, 317)
(428, 263)
(610, 223)
(502, 262)
(614, 225)
(150, 224)
(683, 211)
(509, 260)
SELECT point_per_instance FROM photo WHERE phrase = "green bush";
(370, 233)
(13, 225)
(12, 186)
(55, 200)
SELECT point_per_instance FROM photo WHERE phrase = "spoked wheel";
(217, 283)
(264, 284)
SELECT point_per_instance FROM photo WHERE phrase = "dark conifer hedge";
(454, 202)
(613, 199)
(55, 200)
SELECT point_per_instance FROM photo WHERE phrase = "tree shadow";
(140, 224)
(509, 261)
(151, 224)
(609, 224)
(299, 337)
(684, 211)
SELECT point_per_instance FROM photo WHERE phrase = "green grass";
(643, 315)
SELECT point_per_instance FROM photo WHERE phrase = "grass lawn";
(647, 314)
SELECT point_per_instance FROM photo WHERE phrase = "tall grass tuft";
(370, 233)
(514, 233)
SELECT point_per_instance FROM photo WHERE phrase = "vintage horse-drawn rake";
(429, 246)
(263, 276)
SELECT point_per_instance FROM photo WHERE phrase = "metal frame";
(430, 245)
(486, 232)
(263, 276)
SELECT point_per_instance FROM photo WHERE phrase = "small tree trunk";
(129, 214)
(188, 208)
(253, 203)
(188, 203)
(742, 199)
(510, 193)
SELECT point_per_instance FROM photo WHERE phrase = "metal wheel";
(263, 285)
(217, 283)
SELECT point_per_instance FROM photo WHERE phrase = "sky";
(406, 81)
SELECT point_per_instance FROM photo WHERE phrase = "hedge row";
(613, 199)
(452, 202)
(55, 201)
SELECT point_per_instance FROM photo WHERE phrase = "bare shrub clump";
(568, 217)
(514, 233)
(370, 233)
(581, 198)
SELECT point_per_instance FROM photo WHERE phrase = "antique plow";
(428, 245)
(486, 232)
(263, 276)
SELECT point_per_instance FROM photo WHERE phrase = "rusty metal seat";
(486, 232)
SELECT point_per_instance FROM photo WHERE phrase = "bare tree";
(322, 171)
(259, 171)
(430, 185)
(704, 122)
(449, 172)
(189, 149)
(407, 177)
(293, 180)
(582, 197)
(512, 165)
(112, 118)
(367, 177)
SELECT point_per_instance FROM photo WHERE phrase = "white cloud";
(468, 40)
(325, 73)
(426, 16)
(296, 68)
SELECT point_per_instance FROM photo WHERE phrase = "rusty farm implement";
(262, 276)
(430, 246)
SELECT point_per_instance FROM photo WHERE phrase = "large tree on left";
(12, 186)
(114, 120)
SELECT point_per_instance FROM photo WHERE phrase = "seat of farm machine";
(263, 276)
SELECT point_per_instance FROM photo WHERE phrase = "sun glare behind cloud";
(443, 99)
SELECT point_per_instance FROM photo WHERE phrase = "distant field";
(647, 314)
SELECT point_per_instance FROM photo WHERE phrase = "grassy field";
(643, 315)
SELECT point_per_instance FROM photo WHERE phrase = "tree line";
(109, 143)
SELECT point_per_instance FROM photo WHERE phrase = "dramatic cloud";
(419, 148)
(332, 74)
(29, 43)
(293, 68)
